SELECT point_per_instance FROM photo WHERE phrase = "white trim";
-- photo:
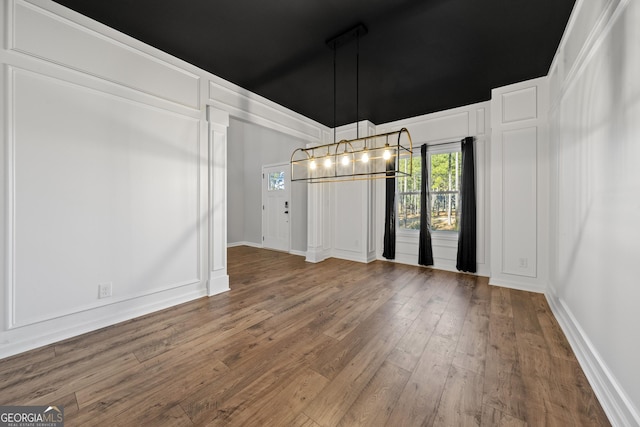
(601, 29)
(244, 243)
(314, 255)
(218, 283)
(616, 404)
(298, 253)
(517, 284)
(356, 256)
(439, 264)
(87, 321)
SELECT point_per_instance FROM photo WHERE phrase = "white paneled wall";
(346, 219)
(519, 185)
(445, 126)
(342, 214)
(594, 211)
(106, 179)
(114, 160)
(84, 186)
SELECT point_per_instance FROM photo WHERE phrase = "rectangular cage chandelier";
(369, 157)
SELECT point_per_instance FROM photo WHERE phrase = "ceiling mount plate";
(345, 37)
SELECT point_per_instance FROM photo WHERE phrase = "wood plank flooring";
(331, 344)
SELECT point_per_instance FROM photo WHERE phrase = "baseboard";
(316, 255)
(518, 285)
(438, 265)
(259, 246)
(34, 336)
(349, 255)
(218, 284)
(618, 407)
(243, 243)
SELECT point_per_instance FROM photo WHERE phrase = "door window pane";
(276, 181)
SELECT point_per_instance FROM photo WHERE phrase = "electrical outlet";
(523, 262)
(104, 290)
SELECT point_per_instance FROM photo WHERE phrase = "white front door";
(276, 204)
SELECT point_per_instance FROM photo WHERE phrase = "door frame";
(287, 169)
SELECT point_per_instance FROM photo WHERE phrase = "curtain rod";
(442, 143)
(435, 144)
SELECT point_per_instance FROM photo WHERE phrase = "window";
(445, 173)
(409, 195)
(276, 181)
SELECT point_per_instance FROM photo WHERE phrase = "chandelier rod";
(334, 93)
(357, 84)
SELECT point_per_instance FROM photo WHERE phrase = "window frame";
(441, 148)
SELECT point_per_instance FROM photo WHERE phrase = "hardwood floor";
(331, 344)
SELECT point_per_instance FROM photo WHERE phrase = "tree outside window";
(445, 174)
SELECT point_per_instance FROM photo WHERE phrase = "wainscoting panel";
(519, 105)
(519, 178)
(105, 191)
(520, 185)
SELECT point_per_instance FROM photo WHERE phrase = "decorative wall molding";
(63, 42)
(570, 61)
(518, 105)
(519, 185)
(592, 82)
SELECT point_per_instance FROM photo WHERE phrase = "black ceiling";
(419, 56)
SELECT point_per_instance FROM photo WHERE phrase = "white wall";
(250, 147)
(595, 233)
(114, 171)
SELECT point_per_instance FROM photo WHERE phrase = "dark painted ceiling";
(419, 56)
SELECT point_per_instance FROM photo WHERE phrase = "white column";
(315, 222)
(218, 278)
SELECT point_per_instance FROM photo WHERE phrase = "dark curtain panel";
(389, 251)
(425, 252)
(467, 233)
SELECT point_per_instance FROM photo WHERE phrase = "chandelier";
(368, 157)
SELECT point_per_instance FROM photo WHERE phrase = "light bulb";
(386, 154)
(312, 164)
(327, 162)
(365, 157)
(345, 160)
